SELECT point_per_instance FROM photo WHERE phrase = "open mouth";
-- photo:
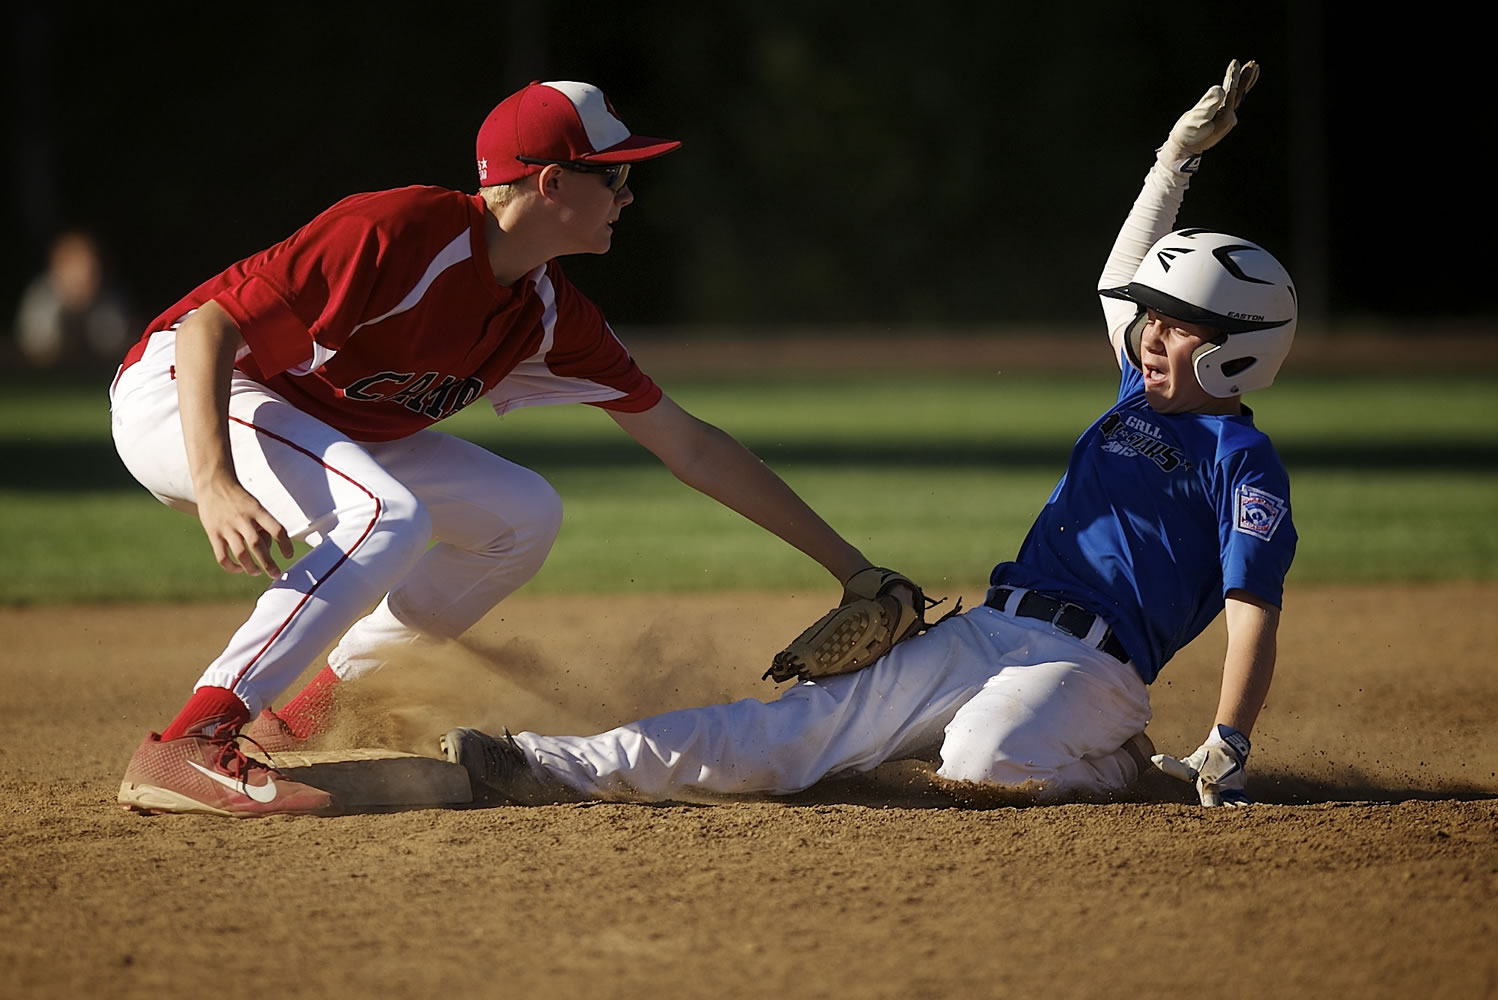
(1154, 376)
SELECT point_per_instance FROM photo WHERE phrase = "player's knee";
(988, 756)
(529, 521)
(994, 772)
(403, 519)
(546, 514)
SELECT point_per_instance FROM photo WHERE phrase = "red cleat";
(270, 733)
(210, 774)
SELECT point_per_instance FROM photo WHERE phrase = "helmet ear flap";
(1199, 354)
(1218, 375)
(1134, 336)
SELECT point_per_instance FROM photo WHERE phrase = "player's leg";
(366, 529)
(494, 522)
(1052, 721)
(893, 709)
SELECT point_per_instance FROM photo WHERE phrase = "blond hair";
(497, 196)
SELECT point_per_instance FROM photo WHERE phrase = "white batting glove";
(1214, 116)
(1219, 768)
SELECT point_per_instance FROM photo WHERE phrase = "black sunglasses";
(614, 174)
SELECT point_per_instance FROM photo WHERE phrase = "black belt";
(1073, 619)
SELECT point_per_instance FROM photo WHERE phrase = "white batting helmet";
(1235, 287)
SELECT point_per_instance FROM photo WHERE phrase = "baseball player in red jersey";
(291, 397)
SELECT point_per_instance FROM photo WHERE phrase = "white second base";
(364, 777)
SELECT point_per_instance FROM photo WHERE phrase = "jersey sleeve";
(580, 359)
(1256, 531)
(316, 288)
(1151, 217)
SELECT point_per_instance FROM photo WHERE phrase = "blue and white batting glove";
(1219, 768)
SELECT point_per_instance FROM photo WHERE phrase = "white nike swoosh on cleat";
(260, 793)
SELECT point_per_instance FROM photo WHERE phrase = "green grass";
(107, 546)
(940, 475)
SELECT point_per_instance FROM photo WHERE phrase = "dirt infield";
(1373, 870)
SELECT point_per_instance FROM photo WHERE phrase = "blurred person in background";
(71, 316)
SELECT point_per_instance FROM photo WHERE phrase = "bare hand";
(241, 531)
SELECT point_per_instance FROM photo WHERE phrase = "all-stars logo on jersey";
(1258, 513)
(1132, 436)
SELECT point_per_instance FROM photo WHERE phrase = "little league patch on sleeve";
(1259, 513)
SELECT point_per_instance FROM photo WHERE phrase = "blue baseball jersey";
(1156, 518)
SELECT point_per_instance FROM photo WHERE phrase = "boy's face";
(590, 209)
(1170, 385)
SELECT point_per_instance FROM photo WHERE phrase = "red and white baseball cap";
(560, 120)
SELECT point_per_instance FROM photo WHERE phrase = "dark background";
(872, 163)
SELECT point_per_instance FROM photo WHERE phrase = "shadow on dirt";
(913, 785)
(1294, 790)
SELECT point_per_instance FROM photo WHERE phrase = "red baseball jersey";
(381, 316)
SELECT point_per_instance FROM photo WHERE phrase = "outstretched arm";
(1154, 211)
(709, 460)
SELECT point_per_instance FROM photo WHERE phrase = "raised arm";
(1154, 211)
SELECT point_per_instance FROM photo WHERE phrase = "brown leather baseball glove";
(879, 609)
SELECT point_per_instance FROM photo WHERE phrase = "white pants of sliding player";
(370, 512)
(1005, 700)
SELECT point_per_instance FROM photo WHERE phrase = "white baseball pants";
(1006, 701)
(370, 512)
